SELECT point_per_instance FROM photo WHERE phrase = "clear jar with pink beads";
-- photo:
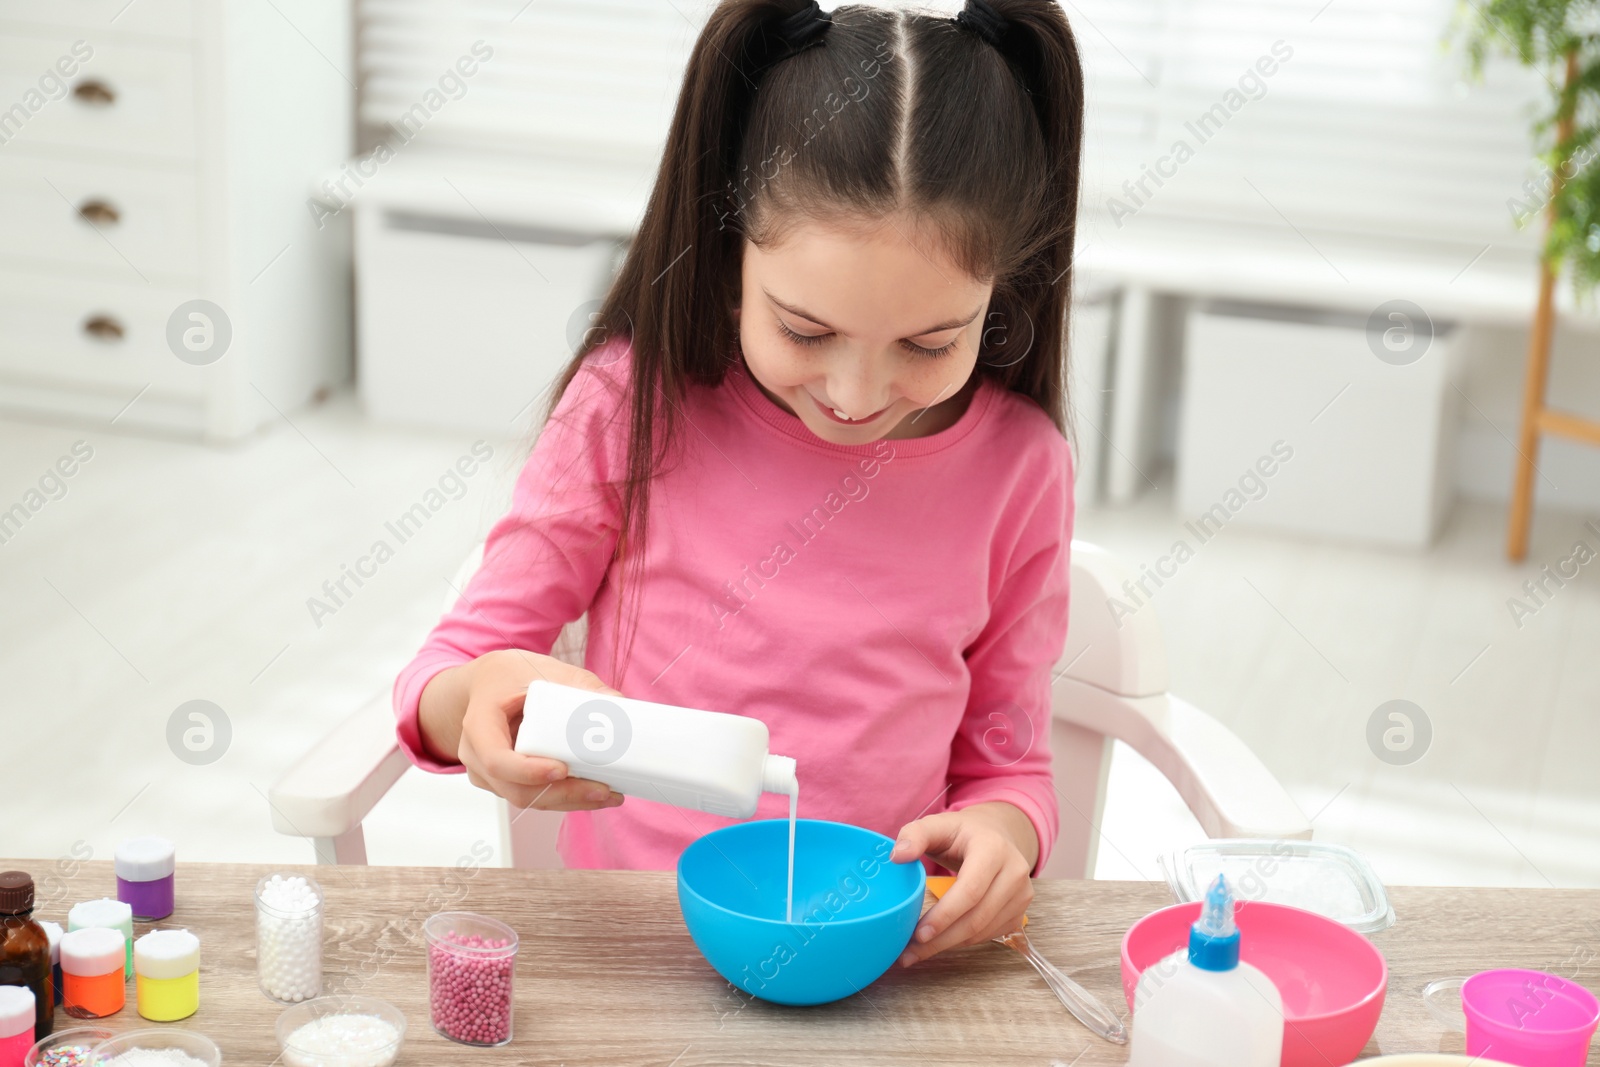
(472, 960)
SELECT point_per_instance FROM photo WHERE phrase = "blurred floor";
(168, 573)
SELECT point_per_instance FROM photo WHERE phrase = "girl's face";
(860, 333)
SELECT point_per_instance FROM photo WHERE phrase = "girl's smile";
(861, 332)
(839, 416)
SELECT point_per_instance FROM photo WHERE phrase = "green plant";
(1561, 40)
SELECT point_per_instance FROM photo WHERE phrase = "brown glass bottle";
(25, 949)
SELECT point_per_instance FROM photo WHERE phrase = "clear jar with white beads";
(289, 937)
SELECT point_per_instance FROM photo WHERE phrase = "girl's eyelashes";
(799, 338)
(809, 341)
(931, 353)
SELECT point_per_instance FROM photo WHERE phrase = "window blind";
(590, 79)
(1367, 126)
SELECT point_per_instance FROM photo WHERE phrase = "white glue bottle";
(705, 760)
(1201, 1006)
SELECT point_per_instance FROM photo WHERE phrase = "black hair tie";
(983, 20)
(804, 27)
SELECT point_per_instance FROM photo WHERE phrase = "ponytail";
(674, 293)
(1035, 297)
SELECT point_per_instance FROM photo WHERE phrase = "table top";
(607, 973)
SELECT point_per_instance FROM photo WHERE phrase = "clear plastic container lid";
(1330, 880)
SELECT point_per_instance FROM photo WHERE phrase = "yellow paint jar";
(166, 969)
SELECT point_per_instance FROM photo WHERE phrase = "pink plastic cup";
(1520, 1017)
(1529, 1018)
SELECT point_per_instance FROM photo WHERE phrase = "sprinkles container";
(91, 966)
(67, 1048)
(471, 962)
(166, 969)
(111, 915)
(144, 876)
(16, 1024)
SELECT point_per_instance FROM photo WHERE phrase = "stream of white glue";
(794, 800)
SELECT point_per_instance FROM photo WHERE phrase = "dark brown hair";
(886, 112)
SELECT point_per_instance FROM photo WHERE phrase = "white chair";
(1111, 684)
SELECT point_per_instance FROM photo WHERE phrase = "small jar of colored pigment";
(166, 969)
(471, 962)
(16, 1024)
(144, 876)
(107, 914)
(91, 967)
(53, 932)
(67, 1048)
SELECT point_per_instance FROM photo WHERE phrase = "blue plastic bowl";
(854, 910)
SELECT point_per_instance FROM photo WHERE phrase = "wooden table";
(607, 973)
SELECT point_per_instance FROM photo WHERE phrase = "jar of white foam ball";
(289, 937)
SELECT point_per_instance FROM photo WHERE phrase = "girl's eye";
(803, 339)
(931, 353)
(800, 338)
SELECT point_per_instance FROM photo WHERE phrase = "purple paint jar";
(144, 876)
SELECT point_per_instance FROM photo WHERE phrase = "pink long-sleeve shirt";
(891, 611)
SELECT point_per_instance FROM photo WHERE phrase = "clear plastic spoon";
(1084, 1005)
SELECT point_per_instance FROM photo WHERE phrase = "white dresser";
(154, 153)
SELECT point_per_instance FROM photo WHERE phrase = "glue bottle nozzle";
(1214, 939)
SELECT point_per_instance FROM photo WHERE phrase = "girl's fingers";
(486, 739)
(615, 800)
(933, 836)
(583, 679)
(1008, 917)
(999, 912)
(569, 794)
(506, 765)
(969, 891)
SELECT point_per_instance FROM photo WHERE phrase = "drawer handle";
(99, 213)
(94, 93)
(103, 328)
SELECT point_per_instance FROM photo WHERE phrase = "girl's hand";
(992, 848)
(496, 685)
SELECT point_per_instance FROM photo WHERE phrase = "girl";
(811, 465)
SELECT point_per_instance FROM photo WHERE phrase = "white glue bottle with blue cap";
(1203, 1006)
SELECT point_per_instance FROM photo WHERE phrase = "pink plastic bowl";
(1332, 979)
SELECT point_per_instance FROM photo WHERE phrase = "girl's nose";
(856, 391)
